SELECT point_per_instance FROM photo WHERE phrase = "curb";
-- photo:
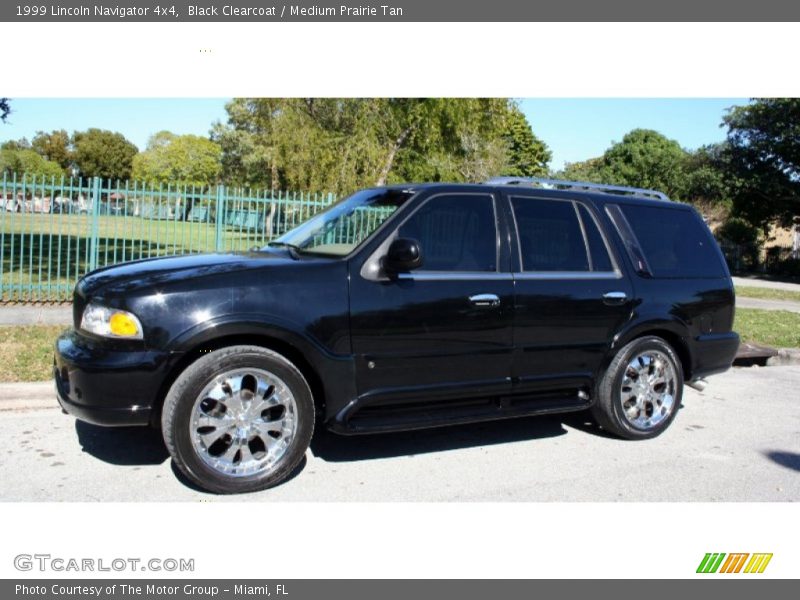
(785, 356)
(38, 395)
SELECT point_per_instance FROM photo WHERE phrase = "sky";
(575, 129)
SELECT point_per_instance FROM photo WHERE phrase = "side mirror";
(404, 255)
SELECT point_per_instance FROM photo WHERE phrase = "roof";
(599, 193)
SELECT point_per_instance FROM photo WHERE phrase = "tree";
(27, 162)
(5, 109)
(178, 159)
(20, 144)
(647, 159)
(341, 144)
(528, 156)
(101, 153)
(586, 170)
(252, 139)
(763, 159)
(55, 146)
(644, 159)
(707, 177)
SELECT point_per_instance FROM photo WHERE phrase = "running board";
(359, 418)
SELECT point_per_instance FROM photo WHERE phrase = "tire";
(630, 400)
(239, 419)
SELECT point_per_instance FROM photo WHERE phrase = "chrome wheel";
(243, 422)
(648, 389)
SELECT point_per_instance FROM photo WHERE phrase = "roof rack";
(581, 185)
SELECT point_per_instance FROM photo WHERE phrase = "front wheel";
(239, 419)
(640, 392)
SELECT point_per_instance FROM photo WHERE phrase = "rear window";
(550, 235)
(676, 243)
(558, 236)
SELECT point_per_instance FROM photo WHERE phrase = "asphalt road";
(738, 441)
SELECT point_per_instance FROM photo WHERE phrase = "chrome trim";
(459, 276)
(698, 384)
(243, 422)
(615, 296)
(485, 299)
(581, 185)
(568, 275)
(649, 390)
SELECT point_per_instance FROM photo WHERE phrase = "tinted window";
(456, 233)
(550, 235)
(676, 243)
(597, 248)
(345, 225)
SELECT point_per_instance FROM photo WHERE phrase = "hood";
(162, 271)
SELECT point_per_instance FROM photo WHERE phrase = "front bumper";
(106, 383)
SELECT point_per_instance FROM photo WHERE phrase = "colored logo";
(738, 562)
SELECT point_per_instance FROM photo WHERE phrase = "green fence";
(54, 231)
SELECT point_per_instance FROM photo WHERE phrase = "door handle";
(615, 297)
(485, 300)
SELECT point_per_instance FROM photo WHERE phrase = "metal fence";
(752, 258)
(54, 231)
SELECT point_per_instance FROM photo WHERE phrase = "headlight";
(111, 322)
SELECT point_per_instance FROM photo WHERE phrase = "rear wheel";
(640, 392)
(238, 420)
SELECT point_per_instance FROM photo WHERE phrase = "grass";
(746, 291)
(778, 328)
(26, 352)
(42, 255)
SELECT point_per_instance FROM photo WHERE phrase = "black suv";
(406, 307)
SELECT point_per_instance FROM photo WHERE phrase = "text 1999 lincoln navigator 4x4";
(406, 307)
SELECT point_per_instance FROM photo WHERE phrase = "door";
(444, 329)
(571, 297)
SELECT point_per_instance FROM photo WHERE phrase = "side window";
(456, 232)
(550, 235)
(675, 242)
(597, 247)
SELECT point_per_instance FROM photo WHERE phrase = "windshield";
(340, 229)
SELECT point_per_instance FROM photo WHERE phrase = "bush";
(738, 231)
(781, 261)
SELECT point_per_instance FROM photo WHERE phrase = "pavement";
(35, 314)
(739, 440)
(765, 304)
(754, 281)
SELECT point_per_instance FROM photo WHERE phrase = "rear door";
(570, 293)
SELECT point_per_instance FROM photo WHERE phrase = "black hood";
(161, 271)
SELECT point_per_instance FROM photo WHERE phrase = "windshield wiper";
(293, 249)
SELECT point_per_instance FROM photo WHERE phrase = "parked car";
(400, 308)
